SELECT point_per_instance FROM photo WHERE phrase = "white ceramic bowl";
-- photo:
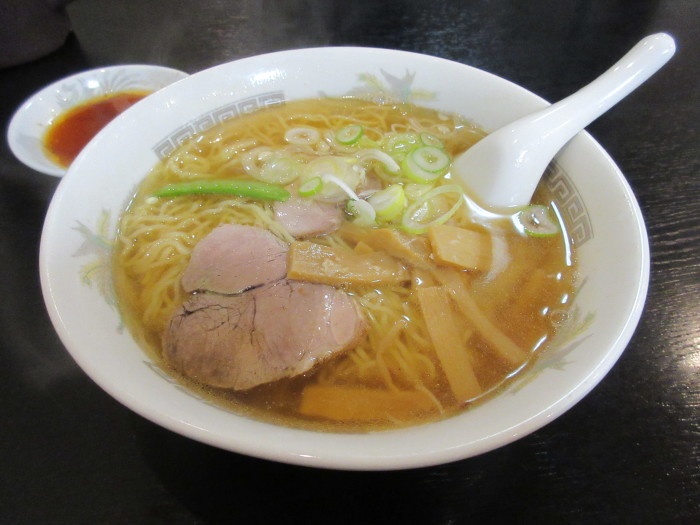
(31, 120)
(603, 217)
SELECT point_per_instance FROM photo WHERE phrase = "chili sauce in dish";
(73, 129)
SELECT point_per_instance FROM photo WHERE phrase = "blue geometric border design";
(233, 109)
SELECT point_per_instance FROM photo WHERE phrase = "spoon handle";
(506, 166)
(570, 115)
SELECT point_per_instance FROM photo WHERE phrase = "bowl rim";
(21, 120)
(340, 460)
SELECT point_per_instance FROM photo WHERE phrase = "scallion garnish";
(389, 202)
(536, 221)
(425, 164)
(417, 218)
(349, 134)
(311, 187)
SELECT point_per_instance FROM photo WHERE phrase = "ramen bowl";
(30, 122)
(603, 219)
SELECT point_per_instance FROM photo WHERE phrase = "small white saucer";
(36, 114)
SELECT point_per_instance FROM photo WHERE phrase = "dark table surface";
(628, 453)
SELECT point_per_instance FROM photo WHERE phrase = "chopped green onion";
(362, 211)
(415, 190)
(430, 159)
(425, 164)
(536, 221)
(414, 219)
(345, 169)
(269, 166)
(253, 160)
(349, 134)
(341, 184)
(428, 139)
(278, 170)
(366, 142)
(374, 154)
(399, 144)
(241, 188)
(389, 202)
(302, 135)
(311, 187)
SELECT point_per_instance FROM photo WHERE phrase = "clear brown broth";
(528, 323)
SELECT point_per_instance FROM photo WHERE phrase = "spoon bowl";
(503, 169)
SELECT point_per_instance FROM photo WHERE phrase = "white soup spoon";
(503, 169)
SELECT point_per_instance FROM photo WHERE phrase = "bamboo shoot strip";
(411, 249)
(308, 261)
(344, 403)
(498, 341)
(362, 248)
(460, 247)
(442, 326)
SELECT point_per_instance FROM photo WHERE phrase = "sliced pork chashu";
(268, 333)
(234, 258)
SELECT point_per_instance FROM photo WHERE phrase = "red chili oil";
(72, 130)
